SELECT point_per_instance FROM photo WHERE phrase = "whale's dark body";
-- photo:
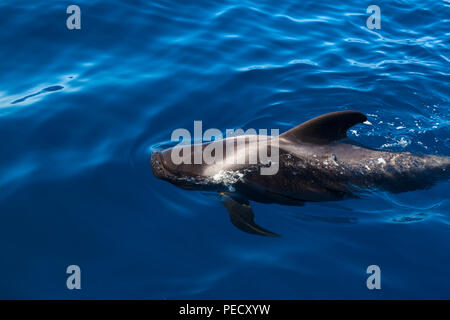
(316, 163)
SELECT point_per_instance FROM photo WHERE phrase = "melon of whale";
(316, 162)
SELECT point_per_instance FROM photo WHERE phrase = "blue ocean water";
(81, 110)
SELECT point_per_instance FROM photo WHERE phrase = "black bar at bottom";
(229, 309)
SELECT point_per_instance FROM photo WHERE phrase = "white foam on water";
(228, 178)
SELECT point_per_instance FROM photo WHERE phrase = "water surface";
(80, 111)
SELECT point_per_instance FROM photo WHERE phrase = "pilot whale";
(316, 162)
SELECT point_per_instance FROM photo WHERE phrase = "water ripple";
(81, 111)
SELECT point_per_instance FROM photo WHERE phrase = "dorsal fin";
(325, 128)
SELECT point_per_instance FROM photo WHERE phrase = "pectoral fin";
(241, 215)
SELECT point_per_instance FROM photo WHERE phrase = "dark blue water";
(81, 110)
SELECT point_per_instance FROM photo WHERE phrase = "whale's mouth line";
(159, 170)
(162, 172)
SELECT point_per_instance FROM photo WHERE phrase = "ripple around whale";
(48, 89)
(81, 111)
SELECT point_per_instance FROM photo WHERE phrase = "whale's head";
(168, 166)
(216, 165)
